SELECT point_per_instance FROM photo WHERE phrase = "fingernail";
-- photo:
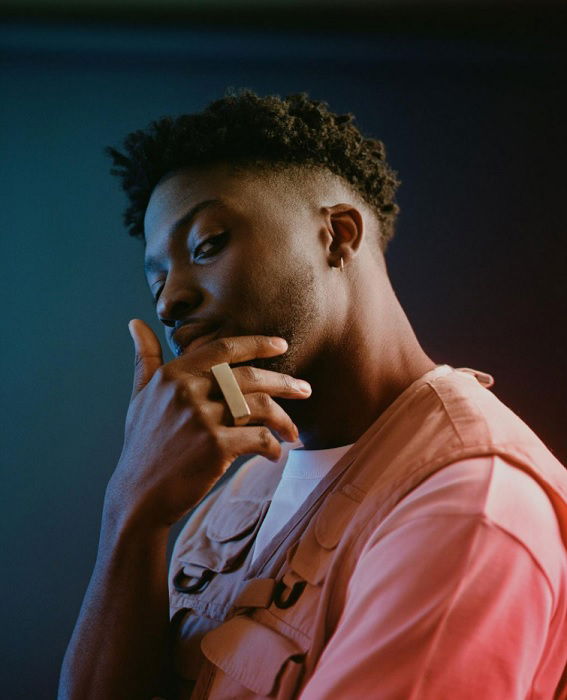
(279, 343)
(303, 386)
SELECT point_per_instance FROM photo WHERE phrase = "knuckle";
(248, 373)
(183, 391)
(199, 418)
(215, 443)
(261, 341)
(288, 382)
(264, 401)
(200, 373)
(265, 437)
(179, 392)
(226, 345)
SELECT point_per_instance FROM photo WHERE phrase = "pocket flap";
(314, 552)
(250, 653)
(333, 519)
(237, 520)
(222, 543)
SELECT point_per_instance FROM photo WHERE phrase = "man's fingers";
(232, 349)
(148, 353)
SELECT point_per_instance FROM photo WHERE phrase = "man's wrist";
(123, 524)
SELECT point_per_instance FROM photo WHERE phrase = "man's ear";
(346, 227)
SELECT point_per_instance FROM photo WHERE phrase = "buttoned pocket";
(227, 535)
(252, 660)
(205, 577)
(314, 552)
(219, 547)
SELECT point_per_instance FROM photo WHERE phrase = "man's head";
(260, 133)
(295, 188)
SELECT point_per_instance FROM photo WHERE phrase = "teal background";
(476, 129)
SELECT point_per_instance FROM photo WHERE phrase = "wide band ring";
(232, 393)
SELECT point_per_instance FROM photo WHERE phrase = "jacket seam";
(464, 566)
(479, 415)
(441, 624)
(484, 519)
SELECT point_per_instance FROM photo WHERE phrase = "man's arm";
(447, 604)
(118, 648)
(175, 450)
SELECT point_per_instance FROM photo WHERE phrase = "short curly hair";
(244, 130)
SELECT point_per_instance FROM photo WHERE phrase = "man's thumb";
(148, 353)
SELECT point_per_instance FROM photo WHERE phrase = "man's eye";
(213, 241)
(156, 297)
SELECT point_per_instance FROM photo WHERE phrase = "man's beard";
(293, 308)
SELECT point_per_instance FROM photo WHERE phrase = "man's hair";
(257, 133)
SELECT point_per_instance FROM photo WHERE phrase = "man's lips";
(197, 342)
(190, 334)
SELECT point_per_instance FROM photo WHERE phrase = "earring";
(342, 265)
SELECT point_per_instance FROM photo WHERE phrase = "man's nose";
(175, 302)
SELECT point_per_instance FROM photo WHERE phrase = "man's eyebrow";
(151, 264)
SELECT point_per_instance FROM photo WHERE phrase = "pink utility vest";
(247, 631)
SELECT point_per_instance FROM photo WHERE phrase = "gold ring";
(232, 393)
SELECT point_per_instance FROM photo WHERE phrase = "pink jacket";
(247, 631)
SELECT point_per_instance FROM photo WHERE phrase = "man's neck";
(346, 401)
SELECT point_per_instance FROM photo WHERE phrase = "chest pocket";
(314, 551)
(205, 578)
(260, 650)
(251, 660)
(220, 547)
(301, 589)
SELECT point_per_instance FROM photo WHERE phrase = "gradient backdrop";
(475, 125)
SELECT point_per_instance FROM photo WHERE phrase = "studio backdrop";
(474, 127)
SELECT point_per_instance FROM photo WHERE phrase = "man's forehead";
(239, 189)
(173, 194)
(180, 190)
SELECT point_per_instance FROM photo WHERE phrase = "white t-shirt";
(303, 470)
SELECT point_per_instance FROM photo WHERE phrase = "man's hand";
(179, 438)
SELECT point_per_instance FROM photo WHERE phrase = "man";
(406, 539)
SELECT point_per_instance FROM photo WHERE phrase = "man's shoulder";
(474, 411)
(458, 415)
(488, 488)
(451, 420)
(487, 493)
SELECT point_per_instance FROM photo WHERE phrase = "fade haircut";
(258, 134)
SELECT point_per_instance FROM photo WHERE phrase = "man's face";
(257, 273)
